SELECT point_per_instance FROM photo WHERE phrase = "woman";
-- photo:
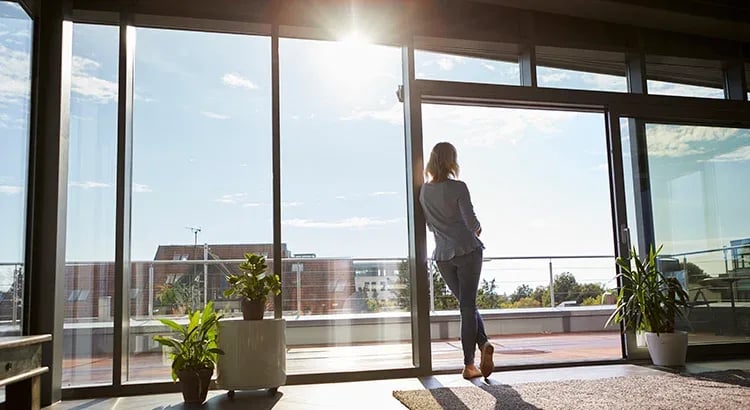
(458, 250)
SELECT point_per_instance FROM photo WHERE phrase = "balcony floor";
(447, 354)
(516, 350)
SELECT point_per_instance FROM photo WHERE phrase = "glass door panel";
(539, 184)
(345, 296)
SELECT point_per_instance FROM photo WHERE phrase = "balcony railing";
(311, 286)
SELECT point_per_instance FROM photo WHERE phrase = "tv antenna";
(195, 231)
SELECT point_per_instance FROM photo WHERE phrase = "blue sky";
(202, 153)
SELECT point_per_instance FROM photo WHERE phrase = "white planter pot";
(254, 354)
(667, 349)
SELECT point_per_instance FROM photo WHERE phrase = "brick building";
(327, 285)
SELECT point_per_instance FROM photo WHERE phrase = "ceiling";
(724, 19)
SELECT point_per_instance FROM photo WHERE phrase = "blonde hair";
(443, 163)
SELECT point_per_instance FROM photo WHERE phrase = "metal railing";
(311, 286)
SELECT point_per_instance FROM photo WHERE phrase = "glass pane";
(581, 69)
(683, 90)
(628, 142)
(697, 177)
(451, 67)
(688, 77)
(580, 80)
(201, 178)
(539, 185)
(16, 32)
(344, 208)
(90, 251)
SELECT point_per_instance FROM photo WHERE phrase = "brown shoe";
(486, 365)
(471, 372)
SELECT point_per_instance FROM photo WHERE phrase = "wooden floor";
(371, 394)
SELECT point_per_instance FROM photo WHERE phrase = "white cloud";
(241, 199)
(236, 80)
(488, 66)
(485, 126)
(141, 188)
(553, 77)
(89, 184)
(684, 90)
(393, 115)
(85, 83)
(601, 167)
(14, 75)
(354, 222)
(6, 121)
(740, 154)
(10, 189)
(679, 141)
(446, 64)
(605, 82)
(382, 193)
(214, 115)
(231, 198)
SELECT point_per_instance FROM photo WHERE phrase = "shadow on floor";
(733, 376)
(242, 400)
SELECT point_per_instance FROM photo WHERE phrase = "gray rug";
(661, 391)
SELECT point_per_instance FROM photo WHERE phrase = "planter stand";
(254, 355)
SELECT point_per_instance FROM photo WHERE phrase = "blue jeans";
(461, 274)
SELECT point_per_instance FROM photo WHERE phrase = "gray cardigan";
(450, 216)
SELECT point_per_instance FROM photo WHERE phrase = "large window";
(15, 67)
(201, 193)
(90, 251)
(343, 206)
(697, 179)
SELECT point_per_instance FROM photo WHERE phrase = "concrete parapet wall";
(95, 338)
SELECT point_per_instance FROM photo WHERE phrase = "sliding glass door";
(540, 187)
(696, 178)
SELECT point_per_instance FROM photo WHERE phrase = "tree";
(589, 290)
(444, 299)
(402, 290)
(541, 294)
(487, 296)
(523, 291)
(694, 272)
(566, 287)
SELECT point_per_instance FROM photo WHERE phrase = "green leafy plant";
(647, 301)
(196, 347)
(253, 283)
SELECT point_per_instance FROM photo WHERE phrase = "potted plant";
(648, 301)
(253, 285)
(194, 352)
